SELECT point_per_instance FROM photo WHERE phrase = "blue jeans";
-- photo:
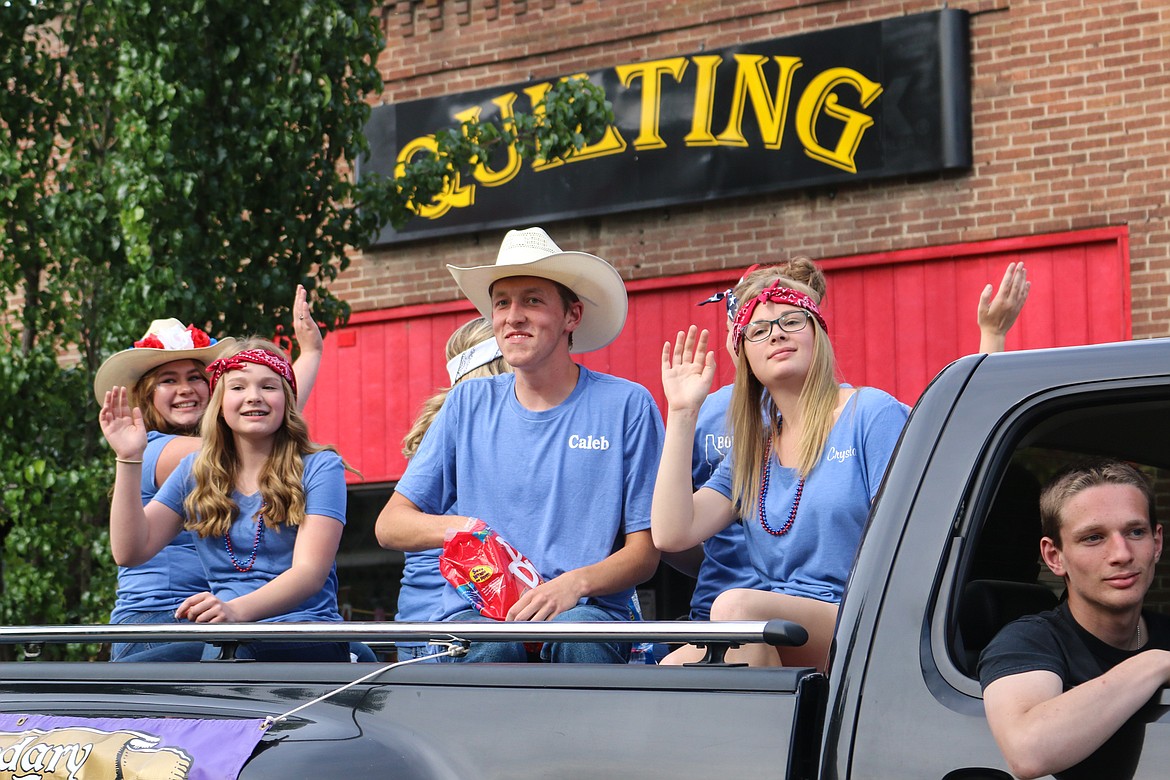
(286, 651)
(361, 653)
(257, 651)
(154, 651)
(409, 650)
(552, 652)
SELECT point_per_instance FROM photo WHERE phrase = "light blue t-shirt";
(422, 582)
(324, 484)
(162, 583)
(712, 436)
(726, 564)
(559, 485)
(814, 558)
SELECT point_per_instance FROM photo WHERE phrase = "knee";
(586, 653)
(496, 653)
(733, 605)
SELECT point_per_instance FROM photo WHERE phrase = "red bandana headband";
(774, 294)
(728, 295)
(259, 357)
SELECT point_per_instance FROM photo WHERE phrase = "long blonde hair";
(209, 506)
(464, 338)
(818, 396)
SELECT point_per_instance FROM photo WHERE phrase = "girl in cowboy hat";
(165, 372)
(266, 505)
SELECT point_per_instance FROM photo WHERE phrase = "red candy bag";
(486, 570)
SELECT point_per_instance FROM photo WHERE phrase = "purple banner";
(40, 746)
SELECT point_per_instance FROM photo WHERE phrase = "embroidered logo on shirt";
(588, 442)
(840, 455)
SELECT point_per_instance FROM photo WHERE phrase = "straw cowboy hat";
(532, 253)
(164, 341)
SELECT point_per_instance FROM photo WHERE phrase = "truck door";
(955, 531)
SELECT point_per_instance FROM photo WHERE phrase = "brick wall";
(1071, 102)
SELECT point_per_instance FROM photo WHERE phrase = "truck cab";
(951, 552)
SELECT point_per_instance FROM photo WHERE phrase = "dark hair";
(1074, 479)
(568, 298)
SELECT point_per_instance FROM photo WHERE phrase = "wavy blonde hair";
(464, 338)
(753, 438)
(209, 506)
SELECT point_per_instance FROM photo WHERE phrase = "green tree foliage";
(188, 159)
(573, 113)
(50, 481)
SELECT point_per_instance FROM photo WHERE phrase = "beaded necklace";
(227, 543)
(764, 495)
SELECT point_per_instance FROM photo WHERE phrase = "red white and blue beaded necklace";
(245, 566)
(764, 495)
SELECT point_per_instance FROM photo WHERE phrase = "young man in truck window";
(1061, 687)
(558, 459)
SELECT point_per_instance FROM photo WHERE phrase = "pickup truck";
(948, 556)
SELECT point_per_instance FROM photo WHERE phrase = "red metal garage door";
(896, 319)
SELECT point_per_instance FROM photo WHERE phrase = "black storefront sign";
(853, 104)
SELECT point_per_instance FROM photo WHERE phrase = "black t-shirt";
(1054, 642)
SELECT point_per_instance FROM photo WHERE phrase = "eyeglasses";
(791, 322)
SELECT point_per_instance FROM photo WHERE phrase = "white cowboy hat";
(167, 340)
(532, 253)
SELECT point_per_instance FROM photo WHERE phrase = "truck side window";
(1009, 543)
(1002, 582)
(1005, 578)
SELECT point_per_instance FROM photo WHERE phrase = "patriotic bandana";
(774, 294)
(728, 295)
(259, 357)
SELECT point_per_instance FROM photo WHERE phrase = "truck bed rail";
(779, 633)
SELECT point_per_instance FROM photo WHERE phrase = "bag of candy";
(485, 569)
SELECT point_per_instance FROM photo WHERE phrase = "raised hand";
(304, 326)
(996, 315)
(121, 425)
(688, 370)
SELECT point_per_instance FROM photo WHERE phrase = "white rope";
(456, 648)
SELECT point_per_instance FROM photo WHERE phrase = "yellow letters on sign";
(820, 95)
(750, 91)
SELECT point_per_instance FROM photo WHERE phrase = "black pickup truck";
(949, 555)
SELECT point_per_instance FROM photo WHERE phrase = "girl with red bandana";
(266, 505)
(801, 475)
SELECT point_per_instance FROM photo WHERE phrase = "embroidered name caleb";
(590, 442)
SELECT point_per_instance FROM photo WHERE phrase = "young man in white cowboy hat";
(1060, 688)
(560, 460)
